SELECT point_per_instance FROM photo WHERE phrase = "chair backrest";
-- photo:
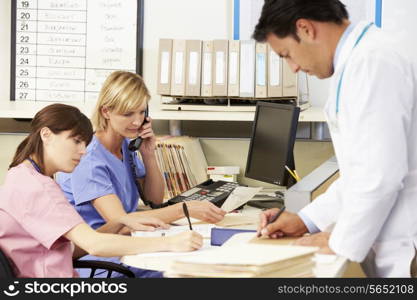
(6, 270)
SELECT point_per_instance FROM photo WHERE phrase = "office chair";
(110, 267)
(6, 270)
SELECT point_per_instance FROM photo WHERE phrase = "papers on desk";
(229, 220)
(184, 222)
(238, 197)
(161, 261)
(239, 220)
(324, 266)
(203, 229)
(206, 246)
(247, 260)
(329, 265)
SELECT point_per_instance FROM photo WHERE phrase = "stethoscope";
(339, 85)
(34, 164)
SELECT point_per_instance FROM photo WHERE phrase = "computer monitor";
(272, 143)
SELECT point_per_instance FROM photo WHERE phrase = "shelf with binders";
(225, 76)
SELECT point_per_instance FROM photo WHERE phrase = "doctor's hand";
(288, 224)
(205, 211)
(320, 240)
(149, 140)
(185, 241)
(134, 223)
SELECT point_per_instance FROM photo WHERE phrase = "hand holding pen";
(268, 217)
(288, 224)
(187, 214)
(187, 240)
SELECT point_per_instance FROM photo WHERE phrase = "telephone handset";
(134, 145)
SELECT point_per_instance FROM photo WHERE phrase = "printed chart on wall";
(62, 50)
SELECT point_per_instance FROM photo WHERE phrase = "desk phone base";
(213, 191)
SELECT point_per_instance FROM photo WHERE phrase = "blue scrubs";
(101, 173)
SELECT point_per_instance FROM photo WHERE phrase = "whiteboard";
(62, 50)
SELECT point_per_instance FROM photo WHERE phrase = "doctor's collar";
(341, 42)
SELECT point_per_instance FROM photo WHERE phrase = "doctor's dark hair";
(58, 118)
(280, 16)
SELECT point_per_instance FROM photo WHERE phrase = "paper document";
(203, 229)
(206, 246)
(239, 239)
(329, 265)
(162, 260)
(184, 221)
(239, 219)
(229, 220)
(239, 196)
(243, 254)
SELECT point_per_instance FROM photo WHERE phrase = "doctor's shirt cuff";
(312, 228)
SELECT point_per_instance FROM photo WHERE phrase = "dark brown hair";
(58, 118)
(280, 16)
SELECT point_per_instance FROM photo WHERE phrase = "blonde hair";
(121, 92)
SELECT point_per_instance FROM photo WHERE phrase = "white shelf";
(312, 114)
(28, 109)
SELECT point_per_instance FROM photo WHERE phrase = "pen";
(291, 173)
(277, 215)
(274, 218)
(296, 174)
(187, 215)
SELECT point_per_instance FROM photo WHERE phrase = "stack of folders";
(182, 163)
(222, 68)
(249, 260)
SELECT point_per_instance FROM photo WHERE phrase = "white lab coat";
(372, 207)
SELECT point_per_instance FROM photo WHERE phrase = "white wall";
(181, 19)
(358, 10)
(399, 18)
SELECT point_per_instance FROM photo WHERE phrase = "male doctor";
(371, 112)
